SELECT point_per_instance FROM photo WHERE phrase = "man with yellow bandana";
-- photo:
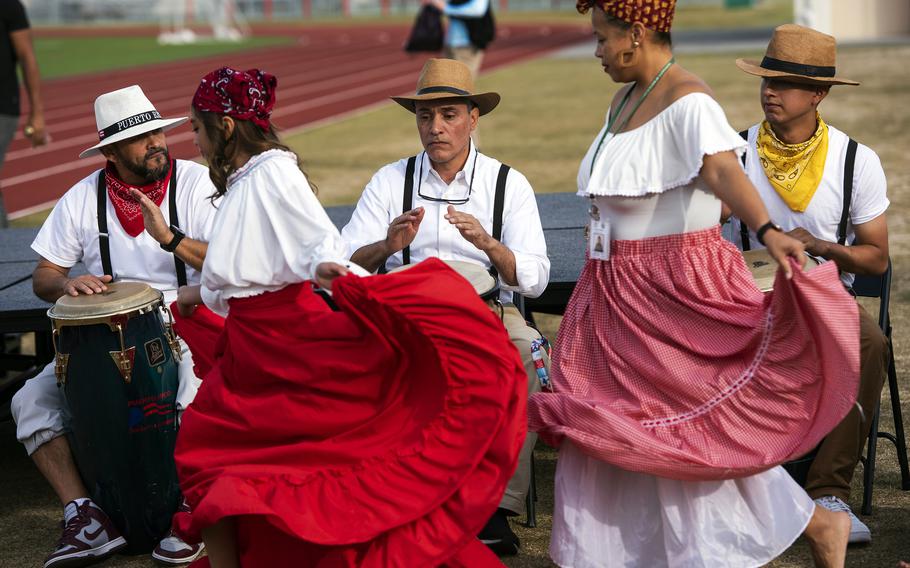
(801, 168)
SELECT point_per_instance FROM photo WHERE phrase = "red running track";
(326, 73)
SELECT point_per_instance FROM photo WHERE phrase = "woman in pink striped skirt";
(679, 387)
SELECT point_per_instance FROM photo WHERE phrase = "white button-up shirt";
(522, 233)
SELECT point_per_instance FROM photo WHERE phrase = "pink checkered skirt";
(670, 362)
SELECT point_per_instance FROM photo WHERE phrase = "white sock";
(69, 511)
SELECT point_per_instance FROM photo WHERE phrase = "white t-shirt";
(270, 231)
(822, 216)
(70, 233)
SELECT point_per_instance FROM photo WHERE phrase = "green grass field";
(64, 56)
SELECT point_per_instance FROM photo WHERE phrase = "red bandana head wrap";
(244, 95)
(655, 15)
(129, 212)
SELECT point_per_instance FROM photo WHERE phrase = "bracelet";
(760, 233)
(172, 245)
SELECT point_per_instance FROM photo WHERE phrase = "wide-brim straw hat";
(800, 54)
(125, 113)
(447, 79)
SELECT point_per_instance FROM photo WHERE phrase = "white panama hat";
(125, 113)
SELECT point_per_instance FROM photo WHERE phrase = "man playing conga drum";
(443, 203)
(130, 240)
(829, 192)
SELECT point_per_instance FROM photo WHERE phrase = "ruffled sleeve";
(662, 154)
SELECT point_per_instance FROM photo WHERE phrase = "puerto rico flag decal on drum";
(152, 412)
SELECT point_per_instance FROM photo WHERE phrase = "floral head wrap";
(655, 15)
(244, 95)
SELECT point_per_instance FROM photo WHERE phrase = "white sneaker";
(859, 532)
(173, 550)
(88, 537)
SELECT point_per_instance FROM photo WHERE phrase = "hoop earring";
(628, 57)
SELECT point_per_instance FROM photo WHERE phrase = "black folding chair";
(880, 287)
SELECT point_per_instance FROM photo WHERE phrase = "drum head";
(120, 297)
(764, 267)
(482, 281)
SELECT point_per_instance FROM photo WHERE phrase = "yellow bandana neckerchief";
(794, 170)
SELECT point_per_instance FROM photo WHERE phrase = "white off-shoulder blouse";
(664, 153)
(270, 231)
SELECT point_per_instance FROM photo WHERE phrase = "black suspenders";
(743, 228)
(848, 192)
(499, 199)
(407, 201)
(845, 208)
(104, 239)
(179, 265)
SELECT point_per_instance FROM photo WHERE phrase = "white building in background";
(855, 19)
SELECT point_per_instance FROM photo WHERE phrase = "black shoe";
(498, 535)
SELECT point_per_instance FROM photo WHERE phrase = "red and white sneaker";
(88, 537)
(173, 550)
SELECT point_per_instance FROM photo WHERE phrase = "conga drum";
(479, 277)
(116, 363)
(764, 268)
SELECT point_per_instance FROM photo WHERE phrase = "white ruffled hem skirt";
(607, 516)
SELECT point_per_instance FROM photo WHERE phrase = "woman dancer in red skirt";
(370, 436)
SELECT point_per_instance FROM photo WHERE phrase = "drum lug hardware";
(61, 360)
(124, 358)
(171, 335)
(124, 362)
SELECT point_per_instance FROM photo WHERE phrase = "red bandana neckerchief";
(128, 210)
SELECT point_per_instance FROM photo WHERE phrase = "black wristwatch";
(178, 236)
(770, 225)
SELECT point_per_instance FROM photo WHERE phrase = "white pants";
(40, 412)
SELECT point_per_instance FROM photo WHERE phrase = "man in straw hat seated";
(138, 245)
(829, 192)
(443, 203)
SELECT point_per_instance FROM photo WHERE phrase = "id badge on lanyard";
(598, 236)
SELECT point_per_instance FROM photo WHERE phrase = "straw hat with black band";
(447, 79)
(799, 54)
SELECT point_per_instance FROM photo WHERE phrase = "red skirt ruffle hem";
(671, 362)
(380, 435)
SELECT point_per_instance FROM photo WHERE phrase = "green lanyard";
(622, 105)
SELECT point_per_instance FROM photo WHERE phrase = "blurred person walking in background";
(16, 49)
(471, 29)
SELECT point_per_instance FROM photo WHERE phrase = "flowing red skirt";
(671, 362)
(380, 435)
